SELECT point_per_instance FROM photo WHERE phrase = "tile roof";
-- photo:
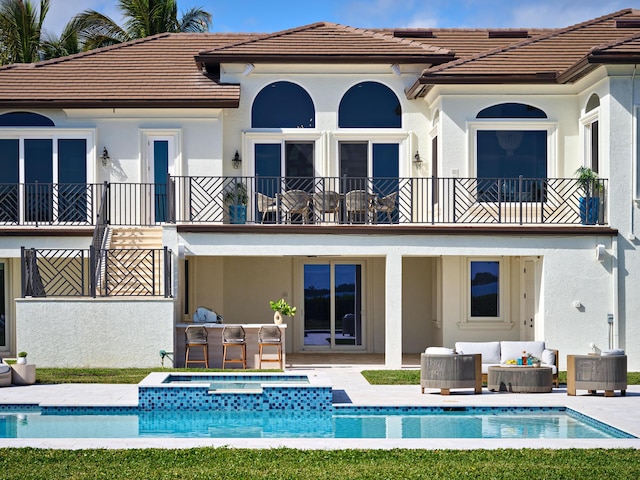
(328, 42)
(158, 71)
(465, 42)
(556, 57)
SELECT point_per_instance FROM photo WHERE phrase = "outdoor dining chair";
(357, 206)
(266, 205)
(325, 204)
(295, 202)
(386, 204)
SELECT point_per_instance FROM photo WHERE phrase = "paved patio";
(349, 387)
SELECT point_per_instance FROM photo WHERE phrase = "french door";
(333, 306)
(160, 163)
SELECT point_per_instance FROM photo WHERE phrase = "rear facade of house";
(402, 188)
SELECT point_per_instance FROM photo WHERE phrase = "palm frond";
(195, 20)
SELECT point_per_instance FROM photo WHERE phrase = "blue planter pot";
(589, 209)
(237, 214)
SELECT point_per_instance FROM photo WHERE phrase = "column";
(393, 311)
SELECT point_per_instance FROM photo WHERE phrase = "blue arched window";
(25, 119)
(512, 110)
(370, 105)
(283, 105)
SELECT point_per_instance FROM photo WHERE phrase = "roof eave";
(120, 103)
(426, 81)
(325, 59)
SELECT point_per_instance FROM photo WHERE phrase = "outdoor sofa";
(497, 353)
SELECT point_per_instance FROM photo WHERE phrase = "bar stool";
(234, 336)
(196, 337)
(270, 336)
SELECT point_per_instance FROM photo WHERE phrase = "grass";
(412, 377)
(111, 375)
(281, 463)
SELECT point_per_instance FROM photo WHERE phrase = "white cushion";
(512, 350)
(548, 357)
(490, 351)
(612, 352)
(439, 351)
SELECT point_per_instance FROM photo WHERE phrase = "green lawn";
(273, 464)
(412, 377)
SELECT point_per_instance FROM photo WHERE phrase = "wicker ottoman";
(451, 371)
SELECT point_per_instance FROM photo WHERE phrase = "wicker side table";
(451, 371)
(594, 372)
(520, 379)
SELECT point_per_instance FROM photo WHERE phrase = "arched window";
(370, 105)
(515, 149)
(592, 103)
(592, 133)
(511, 110)
(283, 105)
(25, 119)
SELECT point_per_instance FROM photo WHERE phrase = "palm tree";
(21, 30)
(142, 18)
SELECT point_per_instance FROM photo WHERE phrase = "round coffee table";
(520, 379)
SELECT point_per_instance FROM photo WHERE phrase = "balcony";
(308, 201)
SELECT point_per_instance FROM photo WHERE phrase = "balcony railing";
(72, 272)
(308, 201)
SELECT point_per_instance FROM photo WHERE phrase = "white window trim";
(501, 322)
(281, 136)
(513, 124)
(585, 132)
(54, 134)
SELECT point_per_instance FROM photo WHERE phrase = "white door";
(528, 300)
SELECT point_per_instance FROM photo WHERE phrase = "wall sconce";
(600, 252)
(236, 161)
(248, 68)
(105, 157)
(417, 160)
(395, 68)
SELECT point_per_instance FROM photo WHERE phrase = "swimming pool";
(342, 422)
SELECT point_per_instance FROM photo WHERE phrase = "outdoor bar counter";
(214, 340)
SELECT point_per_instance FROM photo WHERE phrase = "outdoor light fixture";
(236, 161)
(105, 157)
(248, 69)
(395, 68)
(417, 160)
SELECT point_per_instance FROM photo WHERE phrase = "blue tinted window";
(72, 161)
(283, 105)
(25, 119)
(370, 105)
(268, 159)
(485, 288)
(38, 165)
(9, 160)
(512, 110)
(511, 153)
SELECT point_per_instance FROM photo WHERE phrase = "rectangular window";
(484, 289)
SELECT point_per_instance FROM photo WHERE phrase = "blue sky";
(274, 15)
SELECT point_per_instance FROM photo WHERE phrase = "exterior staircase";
(135, 262)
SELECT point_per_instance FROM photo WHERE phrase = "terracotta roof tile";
(556, 56)
(156, 71)
(325, 41)
(465, 42)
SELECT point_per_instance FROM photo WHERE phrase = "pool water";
(341, 422)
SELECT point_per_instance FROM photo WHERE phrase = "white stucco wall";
(114, 332)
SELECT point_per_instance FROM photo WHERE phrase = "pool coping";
(619, 412)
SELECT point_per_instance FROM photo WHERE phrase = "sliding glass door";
(333, 305)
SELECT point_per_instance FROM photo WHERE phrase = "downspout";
(614, 328)
(634, 160)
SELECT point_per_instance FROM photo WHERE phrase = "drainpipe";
(614, 329)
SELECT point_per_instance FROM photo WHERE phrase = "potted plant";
(236, 198)
(22, 358)
(590, 200)
(280, 308)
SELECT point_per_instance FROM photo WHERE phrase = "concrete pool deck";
(350, 387)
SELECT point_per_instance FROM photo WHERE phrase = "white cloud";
(61, 11)
(421, 22)
(555, 14)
